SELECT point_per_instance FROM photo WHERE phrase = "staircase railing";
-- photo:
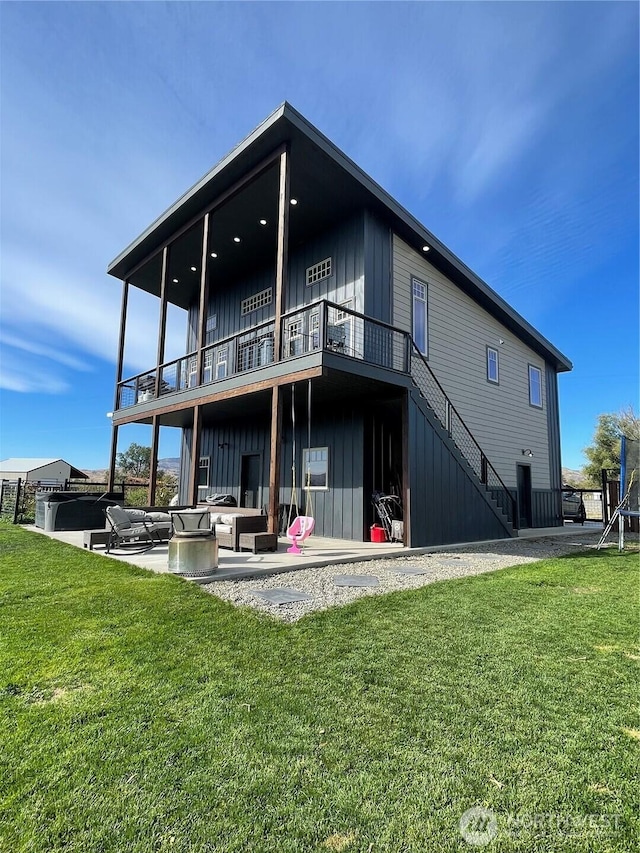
(447, 414)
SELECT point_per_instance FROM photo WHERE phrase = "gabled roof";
(28, 465)
(312, 151)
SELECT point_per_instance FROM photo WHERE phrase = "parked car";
(573, 507)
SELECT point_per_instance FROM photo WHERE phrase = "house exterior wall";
(339, 510)
(344, 244)
(445, 504)
(459, 331)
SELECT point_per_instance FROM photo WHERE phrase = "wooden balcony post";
(195, 456)
(274, 458)
(153, 467)
(282, 251)
(162, 322)
(119, 368)
(204, 299)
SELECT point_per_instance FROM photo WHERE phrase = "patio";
(318, 552)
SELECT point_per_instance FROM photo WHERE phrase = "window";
(492, 365)
(221, 362)
(319, 271)
(210, 328)
(315, 467)
(420, 327)
(203, 471)
(207, 370)
(295, 339)
(535, 386)
(314, 330)
(258, 300)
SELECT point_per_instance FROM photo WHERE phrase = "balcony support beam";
(162, 322)
(153, 462)
(204, 299)
(195, 455)
(274, 458)
(282, 250)
(116, 401)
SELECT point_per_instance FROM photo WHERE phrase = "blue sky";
(509, 129)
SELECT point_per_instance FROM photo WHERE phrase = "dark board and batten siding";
(339, 511)
(447, 506)
(377, 269)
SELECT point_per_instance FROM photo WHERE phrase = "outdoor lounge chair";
(133, 535)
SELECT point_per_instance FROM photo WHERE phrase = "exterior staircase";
(479, 467)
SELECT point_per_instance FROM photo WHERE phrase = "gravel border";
(441, 565)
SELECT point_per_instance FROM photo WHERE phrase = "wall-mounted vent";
(319, 271)
(258, 300)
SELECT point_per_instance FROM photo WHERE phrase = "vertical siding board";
(450, 508)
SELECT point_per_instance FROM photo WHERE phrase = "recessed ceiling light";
(294, 201)
(236, 239)
(175, 280)
(214, 254)
(263, 222)
(193, 269)
(426, 248)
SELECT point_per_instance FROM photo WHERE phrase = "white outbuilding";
(46, 471)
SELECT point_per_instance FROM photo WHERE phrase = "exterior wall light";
(527, 452)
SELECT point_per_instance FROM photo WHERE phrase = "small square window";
(315, 468)
(203, 471)
(493, 374)
(535, 386)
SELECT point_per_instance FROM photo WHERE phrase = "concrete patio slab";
(318, 552)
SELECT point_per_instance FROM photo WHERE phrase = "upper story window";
(535, 386)
(420, 316)
(258, 300)
(493, 373)
(319, 271)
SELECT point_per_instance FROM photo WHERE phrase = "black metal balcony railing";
(334, 328)
(321, 326)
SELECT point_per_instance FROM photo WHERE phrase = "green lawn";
(138, 713)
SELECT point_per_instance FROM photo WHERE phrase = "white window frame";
(295, 336)
(318, 272)
(495, 380)
(420, 301)
(222, 361)
(535, 385)
(258, 300)
(204, 464)
(207, 367)
(305, 464)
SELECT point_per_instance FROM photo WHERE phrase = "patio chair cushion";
(230, 517)
(159, 517)
(135, 514)
(118, 517)
(224, 528)
(216, 517)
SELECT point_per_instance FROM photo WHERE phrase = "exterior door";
(250, 480)
(524, 496)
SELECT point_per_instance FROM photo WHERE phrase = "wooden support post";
(203, 308)
(282, 250)
(406, 477)
(116, 399)
(153, 467)
(195, 455)
(274, 459)
(162, 322)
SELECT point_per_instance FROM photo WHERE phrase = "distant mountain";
(573, 478)
(171, 465)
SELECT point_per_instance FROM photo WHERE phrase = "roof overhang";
(324, 174)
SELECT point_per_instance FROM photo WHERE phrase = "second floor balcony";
(321, 326)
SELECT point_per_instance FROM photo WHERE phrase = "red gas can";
(378, 534)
